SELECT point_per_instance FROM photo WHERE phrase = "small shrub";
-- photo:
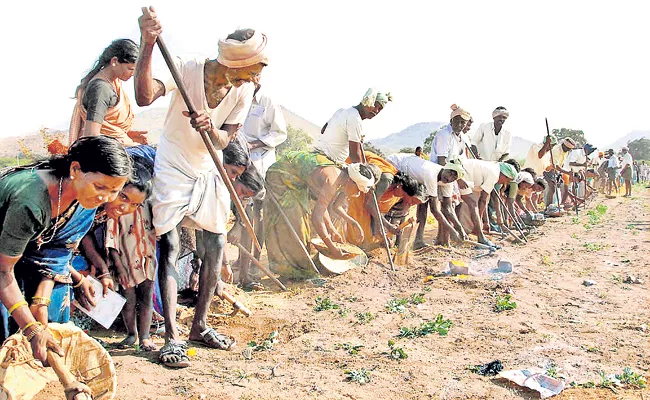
(505, 303)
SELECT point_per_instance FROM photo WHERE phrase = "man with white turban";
(490, 141)
(450, 140)
(437, 179)
(187, 188)
(342, 135)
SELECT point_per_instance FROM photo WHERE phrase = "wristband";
(39, 328)
(33, 323)
(16, 306)
(40, 301)
(103, 275)
(79, 283)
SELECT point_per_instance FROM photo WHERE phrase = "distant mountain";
(415, 135)
(412, 136)
(634, 135)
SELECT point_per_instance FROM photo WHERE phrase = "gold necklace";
(40, 240)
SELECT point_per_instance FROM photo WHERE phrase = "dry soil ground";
(558, 321)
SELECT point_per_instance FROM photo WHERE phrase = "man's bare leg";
(476, 219)
(170, 246)
(210, 275)
(244, 262)
(422, 213)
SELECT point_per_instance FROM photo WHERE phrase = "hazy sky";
(582, 64)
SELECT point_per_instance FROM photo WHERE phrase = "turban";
(372, 96)
(236, 54)
(569, 143)
(455, 110)
(508, 170)
(500, 111)
(553, 139)
(455, 165)
(524, 176)
(364, 184)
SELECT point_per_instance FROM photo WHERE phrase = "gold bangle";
(17, 305)
(40, 301)
(102, 275)
(35, 331)
(80, 282)
(29, 325)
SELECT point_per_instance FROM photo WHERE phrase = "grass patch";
(361, 376)
(594, 246)
(399, 305)
(440, 326)
(505, 303)
(267, 344)
(575, 220)
(631, 378)
(551, 370)
(364, 318)
(352, 349)
(396, 353)
(546, 260)
(324, 304)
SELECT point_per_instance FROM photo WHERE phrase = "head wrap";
(508, 170)
(455, 110)
(500, 111)
(372, 96)
(569, 143)
(624, 149)
(236, 54)
(354, 172)
(600, 154)
(553, 139)
(589, 148)
(524, 176)
(610, 151)
(455, 165)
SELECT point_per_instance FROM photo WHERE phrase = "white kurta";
(344, 127)
(491, 147)
(266, 123)
(480, 176)
(186, 182)
(423, 171)
(447, 144)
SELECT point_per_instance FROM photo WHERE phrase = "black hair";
(101, 154)
(500, 108)
(126, 51)
(531, 172)
(142, 176)
(514, 163)
(419, 147)
(409, 185)
(241, 35)
(252, 179)
(542, 182)
(234, 154)
(366, 171)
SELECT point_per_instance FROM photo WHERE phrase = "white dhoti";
(198, 197)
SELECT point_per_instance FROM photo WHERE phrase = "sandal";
(215, 340)
(78, 391)
(174, 355)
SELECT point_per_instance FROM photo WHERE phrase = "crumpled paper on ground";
(535, 379)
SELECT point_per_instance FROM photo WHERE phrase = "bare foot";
(419, 244)
(147, 345)
(128, 342)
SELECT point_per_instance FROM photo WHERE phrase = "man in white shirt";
(186, 184)
(627, 166)
(612, 171)
(436, 179)
(490, 141)
(450, 140)
(342, 135)
(476, 187)
(264, 130)
(576, 162)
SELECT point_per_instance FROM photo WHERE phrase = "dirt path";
(581, 330)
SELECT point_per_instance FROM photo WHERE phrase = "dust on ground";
(559, 323)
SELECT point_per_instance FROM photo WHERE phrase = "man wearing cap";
(627, 165)
(479, 181)
(341, 136)
(437, 180)
(450, 140)
(491, 142)
(187, 188)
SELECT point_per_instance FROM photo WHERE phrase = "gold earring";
(71, 177)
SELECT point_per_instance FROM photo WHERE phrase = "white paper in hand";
(106, 308)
